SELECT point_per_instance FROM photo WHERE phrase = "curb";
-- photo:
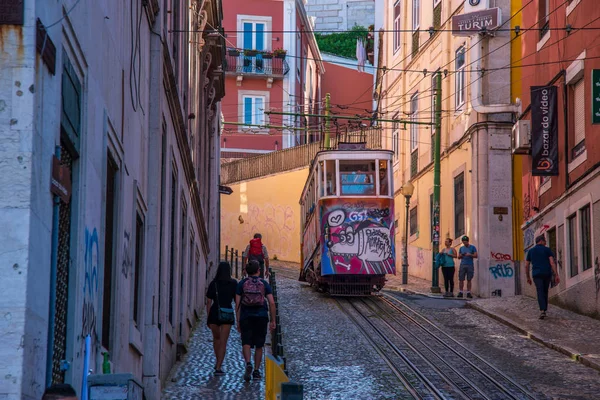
(572, 354)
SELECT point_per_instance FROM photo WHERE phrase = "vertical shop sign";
(596, 96)
(544, 131)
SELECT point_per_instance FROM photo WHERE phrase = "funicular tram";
(348, 221)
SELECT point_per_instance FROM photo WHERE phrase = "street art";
(90, 286)
(597, 276)
(126, 266)
(358, 237)
(502, 270)
(500, 256)
(310, 239)
(276, 223)
(420, 258)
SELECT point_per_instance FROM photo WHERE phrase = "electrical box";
(521, 137)
(114, 387)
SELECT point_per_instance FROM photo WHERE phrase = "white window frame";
(414, 129)
(242, 94)
(416, 14)
(254, 19)
(460, 80)
(575, 209)
(397, 38)
(396, 141)
(436, 2)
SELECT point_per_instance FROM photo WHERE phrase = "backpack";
(253, 292)
(256, 250)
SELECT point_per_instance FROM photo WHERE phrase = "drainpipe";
(52, 299)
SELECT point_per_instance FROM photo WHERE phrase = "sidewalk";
(570, 333)
(415, 285)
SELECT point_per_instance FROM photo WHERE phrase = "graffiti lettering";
(90, 286)
(126, 254)
(357, 216)
(378, 213)
(559, 260)
(501, 256)
(504, 270)
(420, 258)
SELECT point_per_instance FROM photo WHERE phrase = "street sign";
(596, 96)
(225, 190)
(60, 183)
(472, 23)
(11, 12)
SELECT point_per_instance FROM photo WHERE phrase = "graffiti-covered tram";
(348, 222)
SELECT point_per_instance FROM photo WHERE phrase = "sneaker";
(248, 372)
(459, 295)
(446, 294)
(469, 296)
(543, 315)
(256, 374)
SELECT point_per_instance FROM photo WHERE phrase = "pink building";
(272, 64)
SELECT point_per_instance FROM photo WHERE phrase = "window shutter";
(248, 110)
(260, 36)
(247, 35)
(259, 110)
(579, 112)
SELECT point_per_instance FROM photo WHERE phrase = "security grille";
(437, 16)
(414, 163)
(62, 280)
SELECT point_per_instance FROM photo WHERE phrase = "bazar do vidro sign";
(471, 23)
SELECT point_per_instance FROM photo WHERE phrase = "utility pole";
(327, 116)
(435, 288)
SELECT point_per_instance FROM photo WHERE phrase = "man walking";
(253, 316)
(467, 253)
(544, 267)
(256, 251)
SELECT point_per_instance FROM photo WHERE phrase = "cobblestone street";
(333, 360)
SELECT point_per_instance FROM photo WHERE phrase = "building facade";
(110, 163)
(272, 63)
(341, 15)
(476, 121)
(563, 202)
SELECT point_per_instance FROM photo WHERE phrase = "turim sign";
(478, 21)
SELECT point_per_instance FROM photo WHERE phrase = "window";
(330, 177)
(414, 222)
(254, 35)
(193, 271)
(397, 33)
(459, 205)
(172, 252)
(182, 256)
(416, 14)
(357, 177)
(552, 241)
(459, 78)
(437, 14)
(585, 239)
(572, 236)
(414, 135)
(137, 278)
(109, 244)
(321, 179)
(384, 178)
(543, 17)
(396, 140)
(578, 118)
(254, 107)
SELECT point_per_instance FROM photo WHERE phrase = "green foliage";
(341, 44)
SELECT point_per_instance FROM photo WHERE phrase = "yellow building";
(476, 188)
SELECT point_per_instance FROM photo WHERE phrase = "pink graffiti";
(501, 256)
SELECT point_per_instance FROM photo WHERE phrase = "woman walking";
(448, 268)
(220, 296)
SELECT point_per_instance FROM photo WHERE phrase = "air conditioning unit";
(521, 137)
(476, 5)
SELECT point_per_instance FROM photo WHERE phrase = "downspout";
(52, 299)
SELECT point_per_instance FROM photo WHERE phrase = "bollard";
(236, 264)
(226, 252)
(231, 262)
(291, 391)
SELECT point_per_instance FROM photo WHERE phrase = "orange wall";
(346, 84)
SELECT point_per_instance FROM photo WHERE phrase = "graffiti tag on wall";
(500, 256)
(502, 270)
(357, 238)
(90, 286)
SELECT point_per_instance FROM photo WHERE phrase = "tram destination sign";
(11, 12)
(472, 23)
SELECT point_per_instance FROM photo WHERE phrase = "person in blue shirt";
(252, 296)
(542, 272)
(467, 253)
(448, 268)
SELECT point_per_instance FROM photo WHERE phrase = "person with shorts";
(467, 253)
(252, 313)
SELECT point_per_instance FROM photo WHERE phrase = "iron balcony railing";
(244, 63)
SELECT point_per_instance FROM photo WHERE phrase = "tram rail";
(428, 361)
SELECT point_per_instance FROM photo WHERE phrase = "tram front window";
(357, 178)
(330, 178)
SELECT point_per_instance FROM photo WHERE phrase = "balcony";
(249, 63)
